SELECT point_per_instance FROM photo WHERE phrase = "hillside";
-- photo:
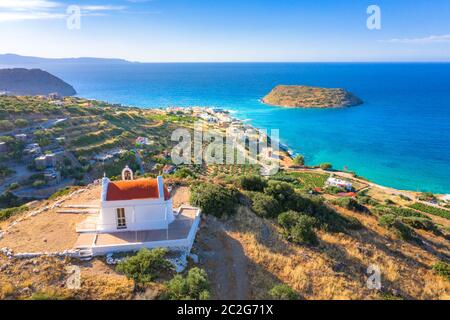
(256, 234)
(310, 97)
(18, 60)
(19, 81)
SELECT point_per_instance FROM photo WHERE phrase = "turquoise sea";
(400, 136)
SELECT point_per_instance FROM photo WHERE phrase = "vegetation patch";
(214, 199)
(283, 292)
(145, 266)
(431, 210)
(443, 269)
(194, 286)
(298, 228)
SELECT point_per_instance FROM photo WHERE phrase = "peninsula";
(310, 97)
(30, 82)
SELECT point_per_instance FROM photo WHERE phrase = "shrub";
(46, 296)
(264, 205)
(283, 292)
(184, 173)
(214, 199)
(420, 223)
(252, 183)
(288, 219)
(281, 191)
(6, 213)
(302, 231)
(61, 192)
(350, 204)
(427, 196)
(21, 123)
(195, 286)
(442, 268)
(145, 266)
(326, 166)
(299, 160)
(393, 223)
(14, 186)
(298, 228)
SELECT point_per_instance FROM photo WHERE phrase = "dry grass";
(48, 231)
(336, 269)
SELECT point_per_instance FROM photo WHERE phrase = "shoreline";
(286, 151)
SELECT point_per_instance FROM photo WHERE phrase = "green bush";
(214, 199)
(184, 173)
(281, 191)
(61, 192)
(145, 266)
(264, 205)
(298, 228)
(252, 183)
(420, 223)
(6, 213)
(393, 223)
(350, 204)
(195, 286)
(302, 231)
(283, 292)
(299, 160)
(21, 123)
(442, 269)
(326, 166)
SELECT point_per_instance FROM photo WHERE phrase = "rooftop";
(134, 189)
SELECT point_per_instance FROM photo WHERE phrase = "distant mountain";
(18, 60)
(29, 82)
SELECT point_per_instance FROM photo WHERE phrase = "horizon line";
(231, 61)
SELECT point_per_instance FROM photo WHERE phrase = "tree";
(283, 292)
(195, 286)
(265, 205)
(145, 265)
(252, 183)
(326, 166)
(298, 228)
(214, 199)
(299, 160)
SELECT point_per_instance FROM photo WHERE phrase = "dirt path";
(225, 261)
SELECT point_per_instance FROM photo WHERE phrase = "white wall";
(144, 214)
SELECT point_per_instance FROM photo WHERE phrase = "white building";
(134, 214)
(335, 182)
(130, 204)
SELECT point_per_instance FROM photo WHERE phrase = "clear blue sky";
(229, 30)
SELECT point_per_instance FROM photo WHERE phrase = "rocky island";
(30, 82)
(310, 97)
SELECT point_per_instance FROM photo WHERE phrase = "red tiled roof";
(134, 189)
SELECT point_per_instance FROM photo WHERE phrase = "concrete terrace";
(185, 223)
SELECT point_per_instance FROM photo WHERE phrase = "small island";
(310, 97)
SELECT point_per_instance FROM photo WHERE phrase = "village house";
(135, 214)
(46, 161)
(335, 182)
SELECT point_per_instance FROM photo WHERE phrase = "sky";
(228, 30)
